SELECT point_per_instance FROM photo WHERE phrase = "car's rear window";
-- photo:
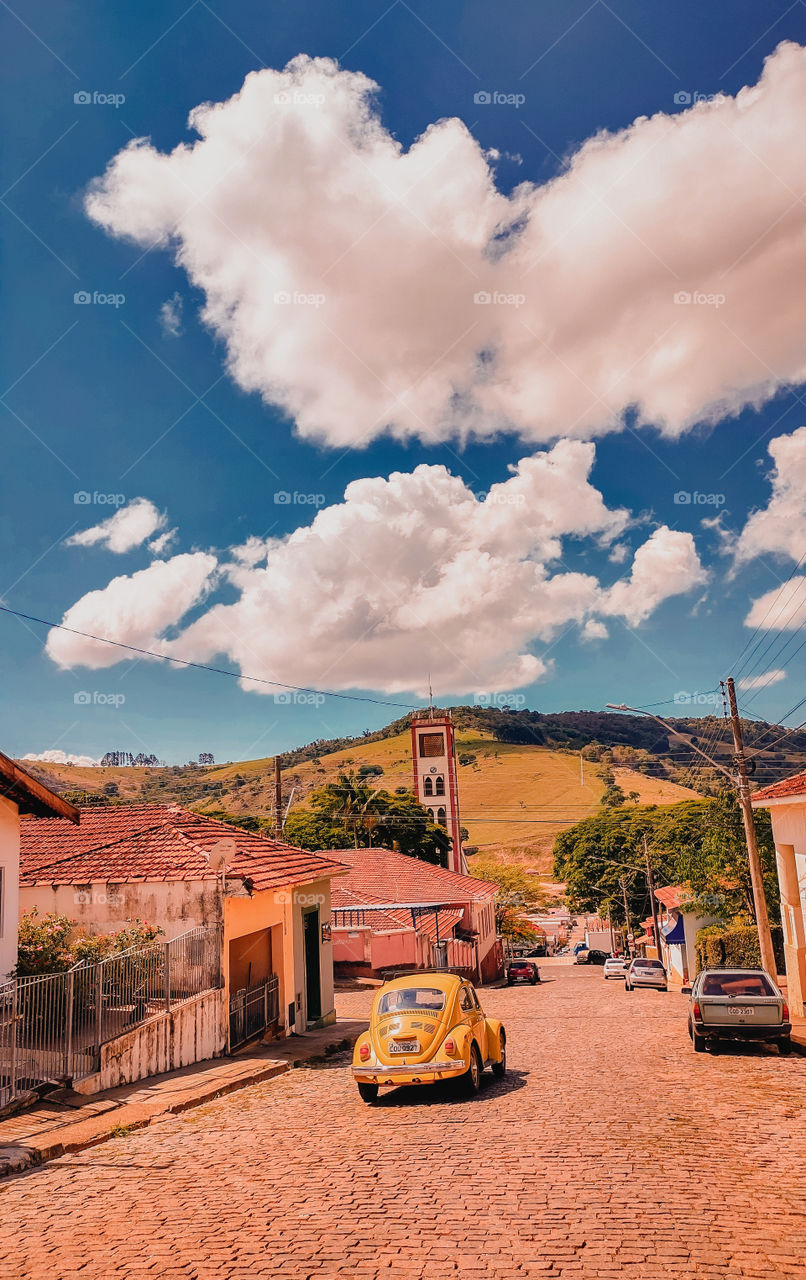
(647, 964)
(736, 984)
(411, 998)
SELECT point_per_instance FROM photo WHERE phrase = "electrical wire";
(203, 666)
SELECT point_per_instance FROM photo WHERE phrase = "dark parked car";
(591, 957)
(737, 1004)
(522, 971)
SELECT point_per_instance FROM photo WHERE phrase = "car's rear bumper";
(723, 1031)
(652, 986)
(425, 1073)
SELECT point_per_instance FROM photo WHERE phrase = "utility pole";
(278, 800)
(581, 771)
(653, 903)
(756, 878)
(627, 947)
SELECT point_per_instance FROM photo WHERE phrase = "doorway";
(313, 982)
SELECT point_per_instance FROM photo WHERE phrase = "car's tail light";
(450, 1046)
(364, 1052)
(785, 1012)
(697, 1011)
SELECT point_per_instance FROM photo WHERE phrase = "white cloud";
(666, 565)
(763, 681)
(61, 757)
(340, 270)
(780, 527)
(781, 609)
(171, 316)
(164, 542)
(135, 610)
(127, 528)
(408, 575)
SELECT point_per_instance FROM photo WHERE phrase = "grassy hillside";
(514, 797)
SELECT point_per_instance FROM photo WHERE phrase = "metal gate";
(252, 1009)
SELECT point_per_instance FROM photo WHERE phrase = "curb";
(20, 1158)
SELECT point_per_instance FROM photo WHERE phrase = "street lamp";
(742, 786)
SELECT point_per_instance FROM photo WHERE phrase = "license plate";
(742, 1013)
(404, 1046)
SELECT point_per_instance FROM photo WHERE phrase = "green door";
(313, 987)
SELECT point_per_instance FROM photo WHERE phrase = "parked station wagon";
(424, 1027)
(737, 1004)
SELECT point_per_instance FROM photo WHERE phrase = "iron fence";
(52, 1025)
(252, 1009)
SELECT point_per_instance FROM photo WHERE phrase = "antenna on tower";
(430, 699)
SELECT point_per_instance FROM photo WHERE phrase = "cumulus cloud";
(127, 528)
(365, 288)
(780, 527)
(763, 681)
(410, 574)
(137, 609)
(60, 757)
(781, 609)
(666, 565)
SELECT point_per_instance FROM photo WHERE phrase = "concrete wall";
(789, 832)
(193, 1032)
(10, 865)
(105, 907)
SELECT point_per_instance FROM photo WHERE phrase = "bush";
(54, 943)
(736, 945)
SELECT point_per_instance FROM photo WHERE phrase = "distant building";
(435, 783)
(392, 911)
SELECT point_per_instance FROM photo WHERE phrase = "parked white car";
(645, 973)
(614, 967)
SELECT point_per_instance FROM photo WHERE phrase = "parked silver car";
(615, 967)
(737, 1004)
(645, 973)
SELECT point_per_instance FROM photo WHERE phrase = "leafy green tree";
(699, 842)
(349, 812)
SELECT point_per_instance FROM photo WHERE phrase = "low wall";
(192, 1032)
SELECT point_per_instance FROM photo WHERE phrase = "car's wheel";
(690, 1030)
(368, 1092)
(533, 982)
(510, 982)
(499, 1068)
(699, 1042)
(785, 1046)
(470, 1082)
(627, 986)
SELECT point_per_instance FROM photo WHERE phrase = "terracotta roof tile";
(394, 877)
(123, 843)
(794, 786)
(343, 898)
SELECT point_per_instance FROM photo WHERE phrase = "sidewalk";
(69, 1121)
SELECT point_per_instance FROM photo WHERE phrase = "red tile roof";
(794, 786)
(120, 844)
(672, 895)
(386, 920)
(394, 877)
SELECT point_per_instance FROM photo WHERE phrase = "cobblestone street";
(610, 1150)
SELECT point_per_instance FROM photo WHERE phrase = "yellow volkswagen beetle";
(427, 1026)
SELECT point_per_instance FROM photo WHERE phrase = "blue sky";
(103, 399)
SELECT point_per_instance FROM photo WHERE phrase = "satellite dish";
(220, 853)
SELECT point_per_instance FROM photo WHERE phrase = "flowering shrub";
(44, 943)
(54, 943)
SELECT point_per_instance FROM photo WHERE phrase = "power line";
(203, 666)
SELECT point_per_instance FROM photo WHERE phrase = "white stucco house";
(181, 870)
(20, 794)
(786, 801)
